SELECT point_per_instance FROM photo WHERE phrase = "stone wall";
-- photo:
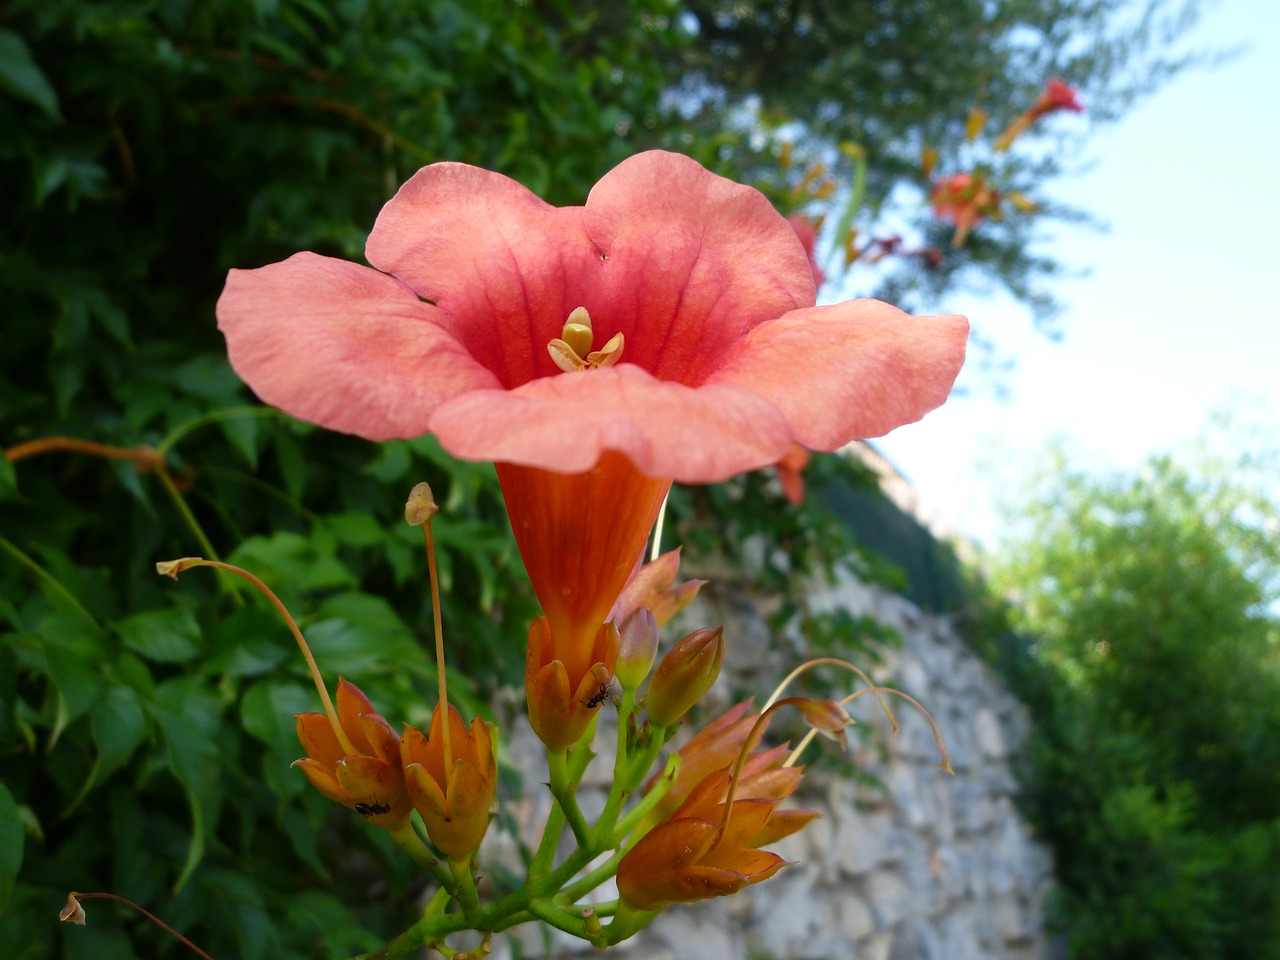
(925, 866)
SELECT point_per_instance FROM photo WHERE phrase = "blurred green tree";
(1154, 765)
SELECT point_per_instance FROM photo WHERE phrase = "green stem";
(49, 579)
(563, 789)
(546, 910)
(627, 778)
(193, 524)
(599, 875)
(651, 799)
(407, 839)
(625, 709)
(429, 929)
(230, 413)
(541, 864)
(627, 920)
(465, 887)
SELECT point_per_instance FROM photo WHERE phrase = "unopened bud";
(637, 648)
(684, 675)
(421, 505)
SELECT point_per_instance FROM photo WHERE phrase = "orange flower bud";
(638, 648)
(684, 675)
(453, 801)
(370, 782)
(654, 586)
(559, 708)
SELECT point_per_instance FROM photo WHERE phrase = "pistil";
(571, 351)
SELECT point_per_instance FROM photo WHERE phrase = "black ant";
(600, 697)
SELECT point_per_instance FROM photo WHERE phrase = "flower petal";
(851, 370)
(343, 346)
(693, 262)
(375, 789)
(666, 429)
(318, 740)
(506, 268)
(323, 779)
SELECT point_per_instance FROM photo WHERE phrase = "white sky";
(1179, 313)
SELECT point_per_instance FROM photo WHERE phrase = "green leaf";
(292, 559)
(356, 529)
(8, 480)
(392, 464)
(117, 724)
(292, 464)
(165, 636)
(238, 894)
(268, 708)
(185, 712)
(251, 641)
(330, 921)
(244, 434)
(20, 75)
(73, 653)
(11, 843)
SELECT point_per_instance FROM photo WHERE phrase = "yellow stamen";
(171, 568)
(571, 351)
(418, 511)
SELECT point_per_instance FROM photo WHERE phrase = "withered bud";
(421, 505)
(73, 912)
(171, 568)
(685, 674)
(828, 717)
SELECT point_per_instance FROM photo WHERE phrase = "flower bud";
(368, 781)
(637, 648)
(560, 706)
(684, 675)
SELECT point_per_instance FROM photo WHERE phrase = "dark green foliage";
(145, 731)
(1154, 767)
(147, 147)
